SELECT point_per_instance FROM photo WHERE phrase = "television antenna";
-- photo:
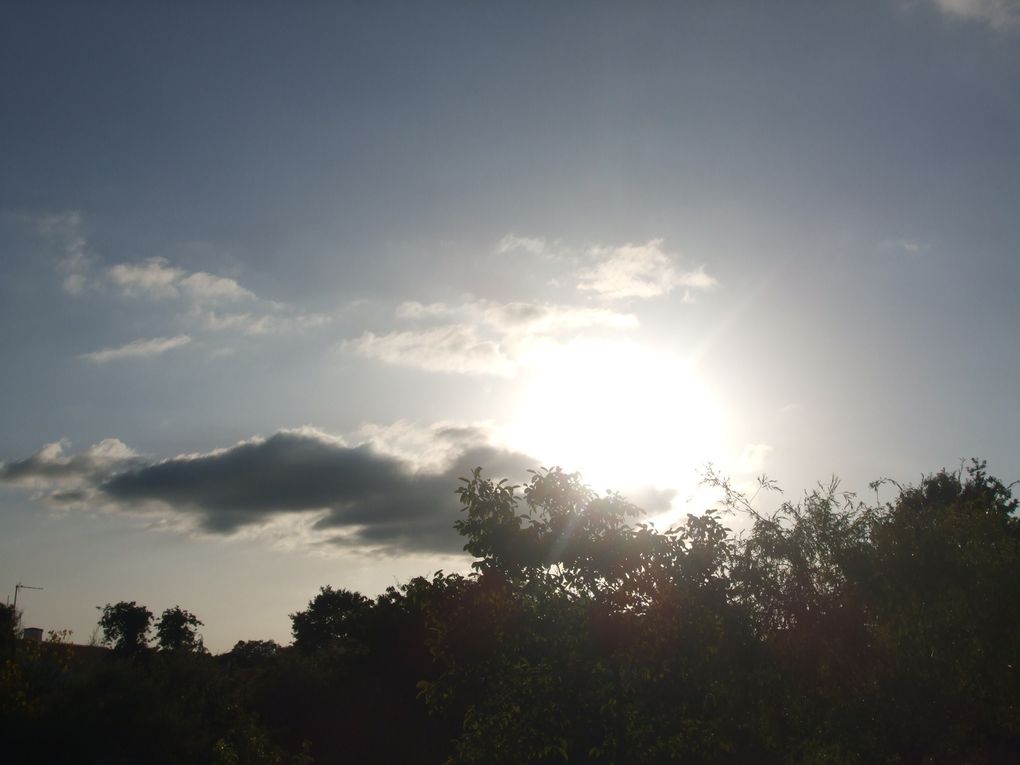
(18, 588)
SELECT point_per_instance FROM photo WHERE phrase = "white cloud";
(412, 309)
(479, 336)
(65, 230)
(431, 448)
(908, 246)
(447, 348)
(547, 318)
(54, 471)
(999, 14)
(518, 317)
(154, 278)
(487, 337)
(137, 349)
(246, 323)
(639, 271)
(260, 323)
(530, 245)
(205, 287)
(74, 283)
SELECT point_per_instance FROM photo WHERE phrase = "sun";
(626, 416)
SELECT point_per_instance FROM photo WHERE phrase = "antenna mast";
(18, 588)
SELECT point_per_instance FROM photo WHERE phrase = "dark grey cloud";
(360, 496)
(369, 497)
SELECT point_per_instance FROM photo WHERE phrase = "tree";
(10, 629)
(177, 630)
(333, 617)
(125, 626)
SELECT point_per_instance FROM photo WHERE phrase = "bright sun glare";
(624, 415)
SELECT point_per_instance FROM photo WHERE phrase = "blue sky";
(272, 277)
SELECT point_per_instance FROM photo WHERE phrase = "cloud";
(999, 14)
(488, 337)
(906, 246)
(205, 287)
(512, 243)
(447, 348)
(393, 490)
(53, 468)
(137, 349)
(412, 309)
(74, 282)
(639, 271)
(154, 278)
(64, 229)
(347, 494)
(522, 317)
(545, 318)
(430, 448)
(260, 323)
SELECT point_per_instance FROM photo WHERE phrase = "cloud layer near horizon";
(367, 496)
(352, 495)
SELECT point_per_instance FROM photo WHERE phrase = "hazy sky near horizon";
(272, 276)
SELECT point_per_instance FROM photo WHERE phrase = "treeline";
(830, 631)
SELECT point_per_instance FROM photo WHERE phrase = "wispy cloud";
(208, 295)
(137, 349)
(482, 336)
(448, 348)
(547, 319)
(522, 316)
(905, 246)
(628, 271)
(999, 14)
(514, 243)
(153, 278)
(639, 271)
(198, 301)
(64, 229)
(156, 278)
(53, 470)
(278, 322)
(203, 287)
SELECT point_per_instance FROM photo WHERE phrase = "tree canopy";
(125, 626)
(831, 630)
(177, 630)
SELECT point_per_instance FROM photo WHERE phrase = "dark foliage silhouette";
(828, 631)
(333, 618)
(125, 626)
(177, 630)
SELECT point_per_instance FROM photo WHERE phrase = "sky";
(274, 276)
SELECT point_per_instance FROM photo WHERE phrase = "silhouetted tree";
(177, 630)
(10, 629)
(333, 617)
(252, 653)
(829, 631)
(125, 626)
(832, 631)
